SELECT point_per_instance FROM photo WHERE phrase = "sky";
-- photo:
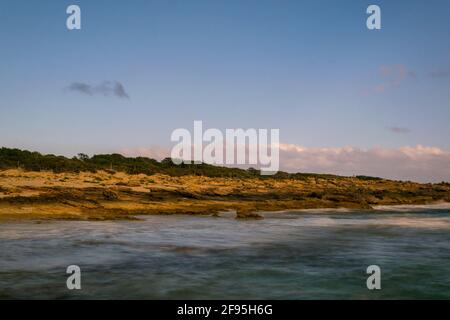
(346, 99)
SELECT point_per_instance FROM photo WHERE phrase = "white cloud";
(417, 163)
(153, 152)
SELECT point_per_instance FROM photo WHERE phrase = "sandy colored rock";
(116, 195)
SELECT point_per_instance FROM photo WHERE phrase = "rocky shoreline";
(112, 196)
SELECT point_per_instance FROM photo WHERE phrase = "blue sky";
(310, 68)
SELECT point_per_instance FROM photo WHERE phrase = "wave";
(414, 207)
(312, 210)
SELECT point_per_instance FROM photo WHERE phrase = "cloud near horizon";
(153, 152)
(107, 88)
(419, 163)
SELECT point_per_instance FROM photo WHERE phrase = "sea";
(305, 254)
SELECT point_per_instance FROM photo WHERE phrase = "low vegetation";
(105, 187)
(34, 161)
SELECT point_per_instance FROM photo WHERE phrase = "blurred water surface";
(291, 255)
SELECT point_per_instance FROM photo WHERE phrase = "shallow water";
(294, 255)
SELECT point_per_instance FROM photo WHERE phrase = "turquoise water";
(295, 255)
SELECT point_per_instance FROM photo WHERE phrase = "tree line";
(35, 161)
